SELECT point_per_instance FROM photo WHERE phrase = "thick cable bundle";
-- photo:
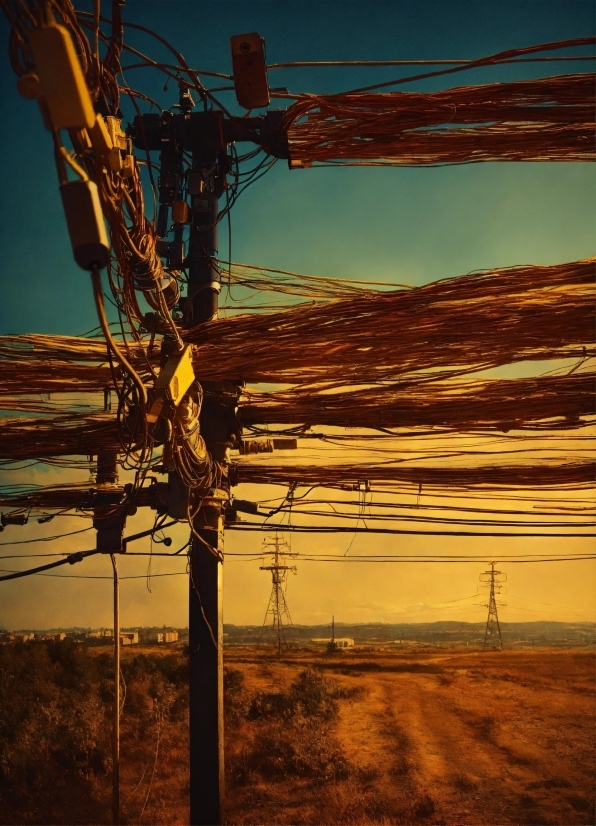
(547, 119)
(553, 476)
(470, 322)
(37, 376)
(288, 283)
(547, 402)
(467, 323)
(576, 474)
(66, 497)
(65, 435)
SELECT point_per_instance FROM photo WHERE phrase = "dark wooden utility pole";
(109, 523)
(205, 606)
(206, 668)
(206, 135)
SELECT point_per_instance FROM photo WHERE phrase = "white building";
(166, 636)
(343, 642)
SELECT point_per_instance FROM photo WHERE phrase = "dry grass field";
(417, 737)
(365, 736)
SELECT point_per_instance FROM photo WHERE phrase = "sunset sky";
(408, 226)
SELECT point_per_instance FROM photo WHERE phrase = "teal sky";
(403, 225)
(413, 225)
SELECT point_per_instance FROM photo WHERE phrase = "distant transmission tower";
(494, 581)
(277, 615)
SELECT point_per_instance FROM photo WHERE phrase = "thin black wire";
(404, 560)
(45, 538)
(491, 60)
(255, 526)
(333, 64)
(71, 559)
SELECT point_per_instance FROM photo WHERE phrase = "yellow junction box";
(61, 78)
(173, 382)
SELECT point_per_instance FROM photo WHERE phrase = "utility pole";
(331, 645)
(116, 709)
(277, 609)
(205, 185)
(493, 580)
(192, 197)
(109, 523)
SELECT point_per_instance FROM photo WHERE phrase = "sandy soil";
(440, 737)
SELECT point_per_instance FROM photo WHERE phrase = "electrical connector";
(101, 139)
(114, 159)
(180, 212)
(119, 139)
(28, 86)
(128, 166)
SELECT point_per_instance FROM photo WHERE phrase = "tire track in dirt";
(445, 761)
(423, 744)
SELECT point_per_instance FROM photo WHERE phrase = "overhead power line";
(255, 526)
(307, 64)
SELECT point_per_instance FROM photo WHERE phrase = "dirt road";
(468, 738)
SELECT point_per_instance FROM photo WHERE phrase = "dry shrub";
(303, 748)
(54, 733)
(289, 731)
(311, 695)
(235, 699)
(55, 727)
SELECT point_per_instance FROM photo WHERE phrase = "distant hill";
(426, 633)
(443, 634)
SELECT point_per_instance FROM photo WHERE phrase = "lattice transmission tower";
(277, 616)
(493, 580)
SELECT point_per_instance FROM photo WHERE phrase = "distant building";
(129, 637)
(16, 637)
(343, 642)
(59, 636)
(166, 636)
(102, 633)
